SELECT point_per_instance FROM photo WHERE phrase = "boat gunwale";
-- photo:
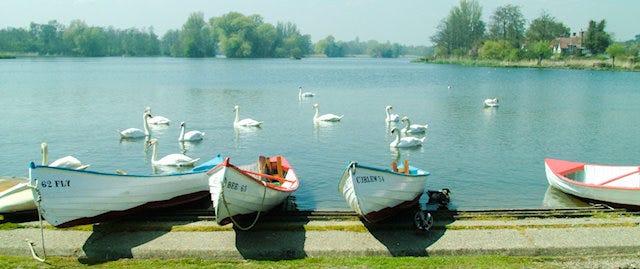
(34, 166)
(294, 186)
(426, 173)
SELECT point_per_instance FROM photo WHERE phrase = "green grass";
(356, 262)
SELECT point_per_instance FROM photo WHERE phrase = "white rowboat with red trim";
(237, 191)
(606, 183)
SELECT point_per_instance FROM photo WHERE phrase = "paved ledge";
(204, 239)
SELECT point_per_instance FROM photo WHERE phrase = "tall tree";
(541, 50)
(507, 23)
(329, 47)
(195, 37)
(170, 44)
(615, 50)
(462, 31)
(546, 28)
(237, 34)
(596, 39)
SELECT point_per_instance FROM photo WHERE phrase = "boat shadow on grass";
(400, 236)
(271, 238)
(110, 242)
(116, 240)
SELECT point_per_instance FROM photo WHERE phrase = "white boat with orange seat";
(376, 193)
(238, 191)
(606, 183)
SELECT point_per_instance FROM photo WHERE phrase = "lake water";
(489, 157)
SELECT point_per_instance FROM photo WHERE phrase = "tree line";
(506, 37)
(233, 35)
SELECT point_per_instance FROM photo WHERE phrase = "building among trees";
(568, 45)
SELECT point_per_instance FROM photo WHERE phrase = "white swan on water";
(491, 102)
(413, 128)
(193, 135)
(157, 120)
(325, 117)
(305, 94)
(391, 117)
(405, 142)
(245, 122)
(65, 162)
(175, 159)
(135, 132)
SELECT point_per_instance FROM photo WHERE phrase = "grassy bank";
(575, 63)
(611, 261)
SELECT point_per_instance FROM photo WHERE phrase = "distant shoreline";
(582, 64)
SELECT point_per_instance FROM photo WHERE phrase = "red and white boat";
(376, 193)
(606, 183)
(237, 191)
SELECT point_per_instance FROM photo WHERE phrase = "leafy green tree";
(329, 47)
(245, 36)
(47, 38)
(15, 40)
(541, 50)
(463, 30)
(615, 50)
(507, 23)
(498, 50)
(546, 28)
(596, 39)
(196, 38)
(386, 50)
(290, 42)
(83, 40)
(170, 44)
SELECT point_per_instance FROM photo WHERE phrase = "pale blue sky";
(408, 22)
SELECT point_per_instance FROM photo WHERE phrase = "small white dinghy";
(237, 191)
(376, 193)
(15, 196)
(606, 183)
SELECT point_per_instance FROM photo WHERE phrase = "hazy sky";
(408, 22)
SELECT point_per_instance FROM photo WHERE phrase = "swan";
(244, 122)
(391, 117)
(491, 102)
(65, 162)
(157, 120)
(175, 159)
(191, 135)
(325, 117)
(405, 142)
(305, 94)
(413, 128)
(135, 132)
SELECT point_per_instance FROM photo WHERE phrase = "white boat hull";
(17, 198)
(235, 193)
(72, 197)
(613, 184)
(376, 194)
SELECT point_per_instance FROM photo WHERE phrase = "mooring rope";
(226, 206)
(31, 247)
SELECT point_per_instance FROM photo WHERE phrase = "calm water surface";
(489, 158)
